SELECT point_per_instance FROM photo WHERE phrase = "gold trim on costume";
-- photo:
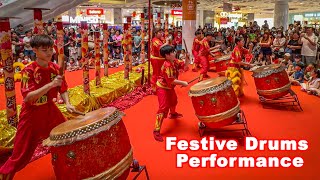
(117, 170)
(274, 91)
(221, 116)
(157, 58)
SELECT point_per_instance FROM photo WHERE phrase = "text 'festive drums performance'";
(271, 81)
(215, 102)
(94, 146)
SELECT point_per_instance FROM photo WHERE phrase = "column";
(208, 18)
(281, 14)
(7, 60)
(189, 15)
(117, 15)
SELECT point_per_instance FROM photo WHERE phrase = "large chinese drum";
(272, 81)
(222, 63)
(94, 146)
(214, 102)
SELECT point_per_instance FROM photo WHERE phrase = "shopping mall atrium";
(159, 89)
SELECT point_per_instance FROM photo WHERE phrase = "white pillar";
(281, 14)
(189, 15)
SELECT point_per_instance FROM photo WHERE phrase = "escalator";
(15, 8)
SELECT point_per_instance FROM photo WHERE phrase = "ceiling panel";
(246, 6)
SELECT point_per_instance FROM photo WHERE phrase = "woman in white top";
(279, 42)
(313, 85)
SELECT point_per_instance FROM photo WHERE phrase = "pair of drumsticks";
(61, 73)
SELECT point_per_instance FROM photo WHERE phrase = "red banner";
(224, 20)
(95, 11)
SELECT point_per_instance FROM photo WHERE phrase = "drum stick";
(80, 113)
(192, 80)
(187, 52)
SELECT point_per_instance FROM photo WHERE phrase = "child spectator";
(307, 73)
(72, 65)
(313, 85)
(290, 68)
(182, 55)
(297, 76)
(73, 51)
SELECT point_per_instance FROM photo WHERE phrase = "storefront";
(175, 17)
(90, 15)
(227, 20)
(306, 19)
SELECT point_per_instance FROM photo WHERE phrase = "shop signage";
(94, 11)
(224, 20)
(176, 12)
(78, 19)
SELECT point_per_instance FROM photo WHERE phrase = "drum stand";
(288, 101)
(239, 125)
(136, 168)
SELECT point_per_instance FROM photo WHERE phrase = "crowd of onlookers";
(297, 48)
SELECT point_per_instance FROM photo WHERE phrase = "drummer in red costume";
(237, 55)
(166, 82)
(156, 59)
(195, 49)
(39, 115)
(204, 52)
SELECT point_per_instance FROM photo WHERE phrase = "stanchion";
(125, 47)
(289, 101)
(135, 167)
(105, 49)
(142, 53)
(166, 27)
(158, 20)
(97, 57)
(7, 60)
(38, 24)
(240, 124)
(85, 58)
(129, 43)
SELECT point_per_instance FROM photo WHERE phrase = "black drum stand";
(239, 125)
(289, 101)
(136, 168)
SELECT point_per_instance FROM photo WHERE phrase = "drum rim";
(274, 91)
(272, 69)
(212, 89)
(84, 132)
(223, 58)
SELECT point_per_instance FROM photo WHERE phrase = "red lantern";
(134, 14)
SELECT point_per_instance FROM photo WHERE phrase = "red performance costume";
(37, 119)
(167, 96)
(156, 59)
(204, 52)
(234, 71)
(195, 52)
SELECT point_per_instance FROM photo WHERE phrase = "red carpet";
(73, 79)
(263, 124)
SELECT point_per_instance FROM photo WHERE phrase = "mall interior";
(98, 89)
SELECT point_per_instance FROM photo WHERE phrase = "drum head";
(83, 121)
(265, 71)
(267, 68)
(224, 58)
(208, 83)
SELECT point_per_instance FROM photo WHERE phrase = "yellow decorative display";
(235, 76)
